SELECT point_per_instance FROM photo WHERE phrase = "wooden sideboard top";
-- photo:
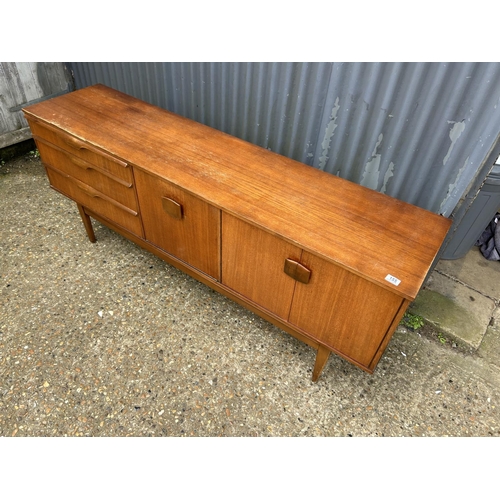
(367, 232)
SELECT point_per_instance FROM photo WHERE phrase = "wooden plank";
(14, 137)
(20, 83)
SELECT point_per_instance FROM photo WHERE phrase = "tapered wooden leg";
(87, 223)
(321, 359)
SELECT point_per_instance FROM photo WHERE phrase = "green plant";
(441, 338)
(412, 321)
(35, 153)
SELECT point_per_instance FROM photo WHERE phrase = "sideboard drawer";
(105, 182)
(95, 201)
(82, 150)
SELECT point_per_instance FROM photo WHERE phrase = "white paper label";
(392, 279)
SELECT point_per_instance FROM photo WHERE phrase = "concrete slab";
(458, 311)
(490, 346)
(475, 271)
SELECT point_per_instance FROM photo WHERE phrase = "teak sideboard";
(332, 263)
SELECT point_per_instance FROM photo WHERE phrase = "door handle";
(297, 271)
(172, 208)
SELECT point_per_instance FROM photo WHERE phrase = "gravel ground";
(106, 339)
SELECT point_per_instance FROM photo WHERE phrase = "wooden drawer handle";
(80, 163)
(87, 166)
(297, 271)
(97, 194)
(77, 144)
(172, 208)
(74, 143)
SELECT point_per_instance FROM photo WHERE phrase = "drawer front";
(95, 200)
(115, 188)
(82, 150)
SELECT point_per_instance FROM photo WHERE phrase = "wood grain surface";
(369, 233)
(193, 238)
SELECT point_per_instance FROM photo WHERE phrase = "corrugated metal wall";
(21, 83)
(426, 133)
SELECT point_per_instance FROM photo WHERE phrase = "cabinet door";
(253, 262)
(179, 223)
(342, 310)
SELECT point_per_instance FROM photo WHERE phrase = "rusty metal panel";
(426, 133)
(22, 83)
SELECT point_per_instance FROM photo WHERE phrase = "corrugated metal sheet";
(20, 84)
(426, 133)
